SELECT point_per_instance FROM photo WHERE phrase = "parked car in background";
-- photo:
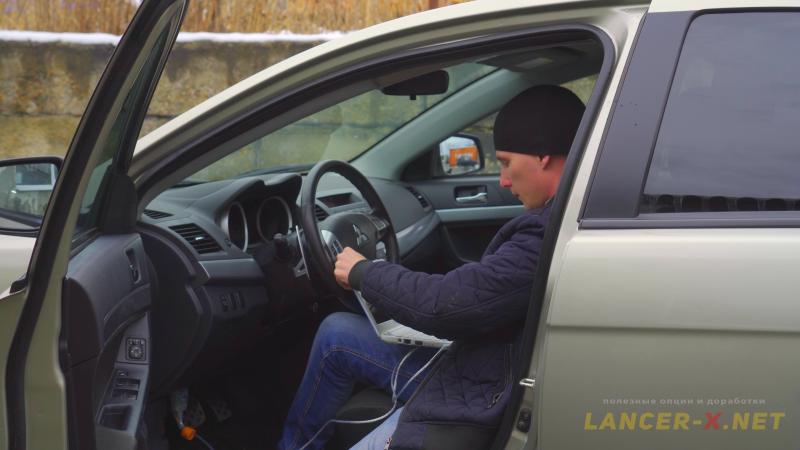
(25, 187)
(664, 313)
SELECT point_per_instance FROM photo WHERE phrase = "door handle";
(480, 197)
(133, 266)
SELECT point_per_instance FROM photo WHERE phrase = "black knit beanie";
(541, 120)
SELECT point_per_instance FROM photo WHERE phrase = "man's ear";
(545, 161)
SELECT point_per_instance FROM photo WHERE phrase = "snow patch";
(110, 39)
(283, 36)
(44, 36)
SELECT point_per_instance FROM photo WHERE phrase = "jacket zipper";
(498, 395)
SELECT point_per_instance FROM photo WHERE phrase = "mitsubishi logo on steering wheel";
(361, 238)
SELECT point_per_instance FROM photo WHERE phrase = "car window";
(730, 131)
(342, 131)
(91, 203)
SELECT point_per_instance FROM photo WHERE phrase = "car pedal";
(195, 415)
(220, 409)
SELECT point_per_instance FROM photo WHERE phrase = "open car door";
(74, 337)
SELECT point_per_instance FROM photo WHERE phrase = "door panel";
(468, 227)
(107, 340)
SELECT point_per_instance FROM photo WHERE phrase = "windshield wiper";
(276, 169)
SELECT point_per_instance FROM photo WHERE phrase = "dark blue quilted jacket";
(481, 307)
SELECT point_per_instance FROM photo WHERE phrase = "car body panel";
(625, 314)
(35, 395)
(644, 325)
(658, 6)
(12, 310)
(16, 255)
(629, 319)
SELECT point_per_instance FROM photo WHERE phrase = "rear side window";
(730, 135)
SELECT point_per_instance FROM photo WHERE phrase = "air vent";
(153, 214)
(320, 213)
(197, 238)
(420, 198)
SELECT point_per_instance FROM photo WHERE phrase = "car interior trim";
(286, 210)
(452, 215)
(236, 271)
(408, 238)
(237, 209)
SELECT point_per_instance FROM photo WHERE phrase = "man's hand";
(344, 264)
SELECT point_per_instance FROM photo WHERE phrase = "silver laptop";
(395, 333)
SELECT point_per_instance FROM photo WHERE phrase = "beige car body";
(663, 315)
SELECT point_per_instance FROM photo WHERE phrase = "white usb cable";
(395, 395)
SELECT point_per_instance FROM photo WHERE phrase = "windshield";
(342, 131)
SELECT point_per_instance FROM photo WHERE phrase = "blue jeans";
(346, 350)
(376, 439)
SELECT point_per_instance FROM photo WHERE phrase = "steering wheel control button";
(337, 247)
(361, 238)
(380, 251)
(332, 245)
(379, 223)
(135, 349)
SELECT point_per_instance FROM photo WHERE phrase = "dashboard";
(230, 265)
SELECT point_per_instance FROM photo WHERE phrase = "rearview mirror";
(25, 188)
(460, 154)
(428, 84)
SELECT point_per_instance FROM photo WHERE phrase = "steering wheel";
(369, 232)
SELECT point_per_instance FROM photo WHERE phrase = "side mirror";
(25, 188)
(460, 154)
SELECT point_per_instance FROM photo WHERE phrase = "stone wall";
(44, 88)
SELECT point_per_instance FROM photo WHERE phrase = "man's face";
(524, 176)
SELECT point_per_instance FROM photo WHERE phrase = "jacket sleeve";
(473, 299)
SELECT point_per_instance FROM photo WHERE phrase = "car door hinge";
(529, 383)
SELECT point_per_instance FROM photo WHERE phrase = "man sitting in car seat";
(481, 306)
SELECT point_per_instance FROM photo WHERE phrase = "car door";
(672, 319)
(75, 338)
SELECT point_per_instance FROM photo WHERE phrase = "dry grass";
(246, 16)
